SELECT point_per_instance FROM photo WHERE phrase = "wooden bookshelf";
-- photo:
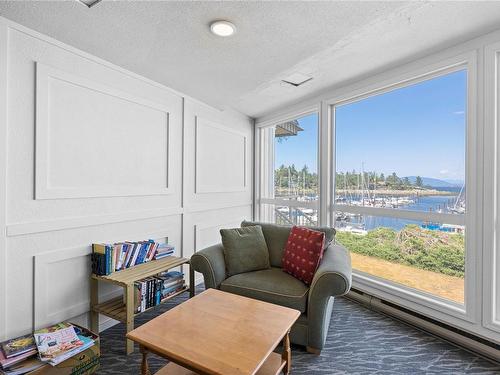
(122, 308)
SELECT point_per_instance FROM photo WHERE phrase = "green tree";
(419, 182)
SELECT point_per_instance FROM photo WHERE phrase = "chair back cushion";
(245, 250)
(276, 237)
(303, 253)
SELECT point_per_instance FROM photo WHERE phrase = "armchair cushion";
(276, 237)
(271, 285)
(245, 250)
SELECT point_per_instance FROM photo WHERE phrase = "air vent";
(89, 3)
(297, 79)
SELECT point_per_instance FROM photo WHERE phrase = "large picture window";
(289, 178)
(400, 191)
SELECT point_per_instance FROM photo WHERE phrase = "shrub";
(436, 251)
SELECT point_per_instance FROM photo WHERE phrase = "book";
(55, 341)
(8, 362)
(135, 253)
(137, 296)
(23, 367)
(18, 345)
(109, 258)
(143, 295)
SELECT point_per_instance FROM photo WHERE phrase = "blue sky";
(415, 130)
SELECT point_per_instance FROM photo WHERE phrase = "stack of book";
(59, 342)
(54, 345)
(152, 291)
(16, 353)
(164, 250)
(109, 258)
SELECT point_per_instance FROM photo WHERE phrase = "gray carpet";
(360, 341)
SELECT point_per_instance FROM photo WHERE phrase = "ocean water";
(430, 203)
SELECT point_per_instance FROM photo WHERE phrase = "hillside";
(434, 182)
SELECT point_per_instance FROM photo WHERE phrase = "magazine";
(87, 343)
(52, 343)
(18, 345)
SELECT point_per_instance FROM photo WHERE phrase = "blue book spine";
(142, 253)
(110, 259)
(107, 259)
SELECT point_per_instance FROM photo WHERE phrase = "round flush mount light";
(222, 28)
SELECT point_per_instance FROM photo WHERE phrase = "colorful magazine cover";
(18, 345)
(87, 342)
(52, 342)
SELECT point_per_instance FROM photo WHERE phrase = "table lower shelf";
(115, 308)
(273, 365)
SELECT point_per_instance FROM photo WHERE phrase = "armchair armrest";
(333, 278)
(210, 262)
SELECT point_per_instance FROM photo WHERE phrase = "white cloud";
(444, 171)
(459, 112)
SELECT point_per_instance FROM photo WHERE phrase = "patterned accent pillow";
(303, 253)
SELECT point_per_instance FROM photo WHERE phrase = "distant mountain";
(434, 182)
(455, 182)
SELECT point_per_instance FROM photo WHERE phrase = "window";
(400, 192)
(289, 172)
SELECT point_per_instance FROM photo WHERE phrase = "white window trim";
(422, 301)
(259, 149)
(491, 294)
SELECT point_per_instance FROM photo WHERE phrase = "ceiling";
(334, 42)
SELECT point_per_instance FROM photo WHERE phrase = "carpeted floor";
(360, 341)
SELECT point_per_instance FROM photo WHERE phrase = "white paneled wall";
(217, 173)
(95, 153)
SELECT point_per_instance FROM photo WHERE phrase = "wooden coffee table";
(219, 333)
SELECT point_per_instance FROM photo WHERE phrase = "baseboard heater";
(455, 336)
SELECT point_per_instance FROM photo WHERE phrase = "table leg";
(144, 363)
(94, 300)
(129, 305)
(191, 281)
(287, 354)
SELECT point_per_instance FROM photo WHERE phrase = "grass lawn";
(431, 261)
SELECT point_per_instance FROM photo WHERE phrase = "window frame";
(421, 301)
(491, 258)
(260, 159)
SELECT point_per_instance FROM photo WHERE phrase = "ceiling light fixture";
(222, 28)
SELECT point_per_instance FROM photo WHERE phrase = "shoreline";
(378, 192)
(410, 192)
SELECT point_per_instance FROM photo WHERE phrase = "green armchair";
(332, 279)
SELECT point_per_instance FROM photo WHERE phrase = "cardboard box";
(84, 363)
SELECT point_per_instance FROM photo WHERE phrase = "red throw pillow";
(303, 252)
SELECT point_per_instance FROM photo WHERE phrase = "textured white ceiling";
(169, 42)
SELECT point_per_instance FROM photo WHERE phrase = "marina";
(448, 201)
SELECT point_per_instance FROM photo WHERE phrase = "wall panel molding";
(21, 229)
(233, 143)
(209, 225)
(212, 207)
(60, 169)
(46, 294)
(44, 313)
